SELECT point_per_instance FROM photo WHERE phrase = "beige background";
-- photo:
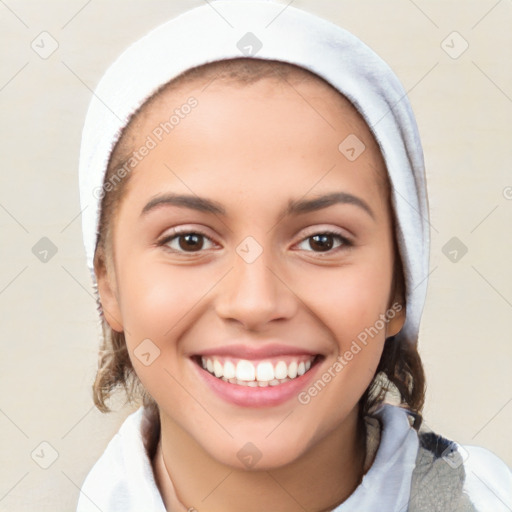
(49, 324)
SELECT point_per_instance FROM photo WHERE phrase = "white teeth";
(245, 370)
(217, 368)
(245, 373)
(265, 371)
(281, 370)
(229, 370)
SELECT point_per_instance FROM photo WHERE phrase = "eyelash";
(345, 242)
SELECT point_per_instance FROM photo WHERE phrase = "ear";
(395, 323)
(107, 290)
(396, 308)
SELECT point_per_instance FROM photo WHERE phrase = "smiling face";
(252, 253)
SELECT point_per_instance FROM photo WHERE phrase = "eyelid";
(319, 229)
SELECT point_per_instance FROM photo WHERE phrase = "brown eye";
(186, 242)
(321, 242)
(191, 241)
(325, 242)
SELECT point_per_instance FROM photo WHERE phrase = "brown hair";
(400, 371)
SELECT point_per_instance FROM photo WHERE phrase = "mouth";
(259, 373)
(256, 380)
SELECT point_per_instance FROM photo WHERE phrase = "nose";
(255, 294)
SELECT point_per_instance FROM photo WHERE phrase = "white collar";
(122, 480)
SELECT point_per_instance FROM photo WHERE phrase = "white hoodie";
(122, 480)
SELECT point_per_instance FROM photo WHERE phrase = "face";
(253, 310)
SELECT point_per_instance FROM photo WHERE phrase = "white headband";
(268, 30)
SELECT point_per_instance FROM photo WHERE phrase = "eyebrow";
(295, 207)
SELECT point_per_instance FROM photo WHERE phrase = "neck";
(322, 478)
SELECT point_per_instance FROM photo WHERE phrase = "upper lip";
(249, 352)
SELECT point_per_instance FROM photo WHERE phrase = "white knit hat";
(268, 30)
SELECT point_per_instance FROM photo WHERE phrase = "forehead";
(295, 89)
(296, 84)
(275, 122)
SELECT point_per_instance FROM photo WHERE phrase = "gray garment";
(438, 478)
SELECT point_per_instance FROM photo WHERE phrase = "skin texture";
(252, 149)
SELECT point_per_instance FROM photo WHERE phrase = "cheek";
(348, 299)
(350, 303)
(158, 303)
(157, 297)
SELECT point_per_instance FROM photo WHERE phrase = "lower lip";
(247, 396)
